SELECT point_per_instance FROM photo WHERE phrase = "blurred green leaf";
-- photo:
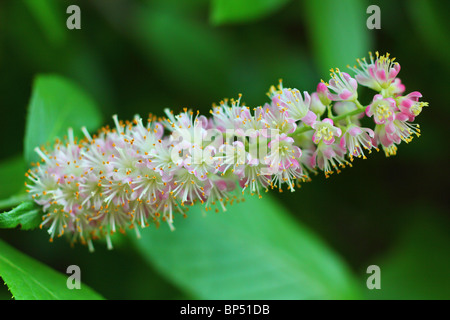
(252, 251)
(417, 268)
(27, 216)
(429, 13)
(11, 176)
(51, 18)
(231, 11)
(128, 277)
(28, 279)
(57, 104)
(188, 54)
(337, 31)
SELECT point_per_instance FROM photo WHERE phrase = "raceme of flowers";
(147, 170)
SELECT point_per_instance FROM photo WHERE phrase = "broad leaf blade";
(27, 216)
(252, 251)
(28, 279)
(57, 104)
(232, 11)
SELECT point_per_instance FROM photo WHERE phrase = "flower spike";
(144, 172)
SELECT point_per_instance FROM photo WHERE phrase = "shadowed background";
(139, 57)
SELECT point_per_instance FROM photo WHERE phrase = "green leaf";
(254, 250)
(12, 176)
(428, 13)
(29, 279)
(231, 11)
(337, 31)
(188, 53)
(27, 216)
(57, 104)
(50, 16)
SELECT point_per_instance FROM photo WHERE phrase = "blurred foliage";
(232, 11)
(254, 250)
(142, 56)
(336, 33)
(12, 169)
(57, 104)
(417, 265)
(47, 14)
(28, 279)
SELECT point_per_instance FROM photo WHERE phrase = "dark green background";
(143, 56)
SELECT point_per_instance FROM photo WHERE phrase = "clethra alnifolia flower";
(342, 87)
(378, 73)
(147, 171)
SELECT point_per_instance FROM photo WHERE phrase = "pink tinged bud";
(328, 121)
(322, 93)
(316, 104)
(342, 107)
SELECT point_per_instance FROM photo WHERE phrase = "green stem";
(348, 114)
(301, 130)
(330, 113)
(13, 201)
(360, 109)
